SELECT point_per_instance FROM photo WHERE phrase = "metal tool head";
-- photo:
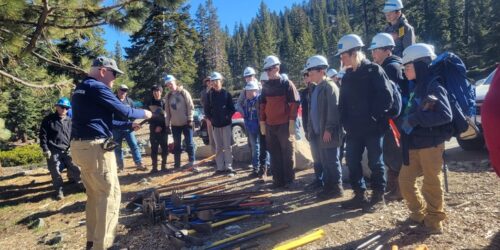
(176, 198)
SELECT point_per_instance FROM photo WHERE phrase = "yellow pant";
(99, 175)
(425, 162)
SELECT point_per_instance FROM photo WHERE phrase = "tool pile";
(189, 216)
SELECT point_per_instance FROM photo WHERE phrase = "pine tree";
(212, 55)
(118, 55)
(164, 45)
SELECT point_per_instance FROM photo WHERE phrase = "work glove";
(406, 126)
(262, 126)
(291, 127)
(47, 154)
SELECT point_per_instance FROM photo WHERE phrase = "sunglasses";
(115, 74)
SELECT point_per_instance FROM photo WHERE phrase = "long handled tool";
(251, 237)
(318, 234)
(208, 226)
(238, 236)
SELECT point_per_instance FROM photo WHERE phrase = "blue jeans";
(187, 131)
(318, 169)
(355, 146)
(255, 144)
(332, 173)
(129, 136)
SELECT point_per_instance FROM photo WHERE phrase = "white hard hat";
(417, 51)
(264, 76)
(168, 79)
(249, 71)
(331, 73)
(252, 85)
(215, 76)
(381, 40)
(341, 73)
(316, 61)
(392, 5)
(271, 61)
(349, 42)
(285, 77)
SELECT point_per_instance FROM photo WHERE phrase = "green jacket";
(329, 116)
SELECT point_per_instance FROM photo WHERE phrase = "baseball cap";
(168, 78)
(102, 61)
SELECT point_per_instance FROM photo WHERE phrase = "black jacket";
(432, 126)
(365, 97)
(220, 108)
(393, 67)
(158, 119)
(55, 132)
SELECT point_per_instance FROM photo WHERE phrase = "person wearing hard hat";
(250, 109)
(305, 95)
(398, 26)
(54, 135)
(381, 49)
(324, 125)
(333, 75)
(219, 111)
(120, 133)
(179, 117)
(94, 106)
(426, 123)
(365, 96)
(158, 131)
(279, 103)
(263, 156)
(204, 99)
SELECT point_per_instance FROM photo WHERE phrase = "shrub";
(22, 155)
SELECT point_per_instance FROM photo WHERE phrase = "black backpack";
(397, 104)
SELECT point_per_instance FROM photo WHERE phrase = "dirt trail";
(472, 205)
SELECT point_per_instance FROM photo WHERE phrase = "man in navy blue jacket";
(94, 106)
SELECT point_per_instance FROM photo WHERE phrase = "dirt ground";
(472, 206)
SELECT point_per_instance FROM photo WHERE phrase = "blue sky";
(230, 12)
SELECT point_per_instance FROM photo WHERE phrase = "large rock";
(303, 156)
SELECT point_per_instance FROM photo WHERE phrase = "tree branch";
(31, 85)
(76, 70)
(39, 28)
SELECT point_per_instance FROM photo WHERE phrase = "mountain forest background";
(47, 46)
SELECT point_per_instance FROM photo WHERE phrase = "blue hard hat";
(64, 102)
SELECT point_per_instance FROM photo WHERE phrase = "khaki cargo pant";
(428, 163)
(99, 175)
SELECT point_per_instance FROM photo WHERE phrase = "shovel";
(207, 227)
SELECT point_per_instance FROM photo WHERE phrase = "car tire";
(238, 132)
(472, 144)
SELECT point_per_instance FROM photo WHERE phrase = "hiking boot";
(330, 194)
(164, 167)
(358, 201)
(262, 171)
(376, 203)
(89, 245)
(230, 172)
(314, 185)
(219, 172)
(423, 229)
(410, 222)
(154, 171)
(393, 195)
(60, 195)
(254, 174)
(140, 167)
